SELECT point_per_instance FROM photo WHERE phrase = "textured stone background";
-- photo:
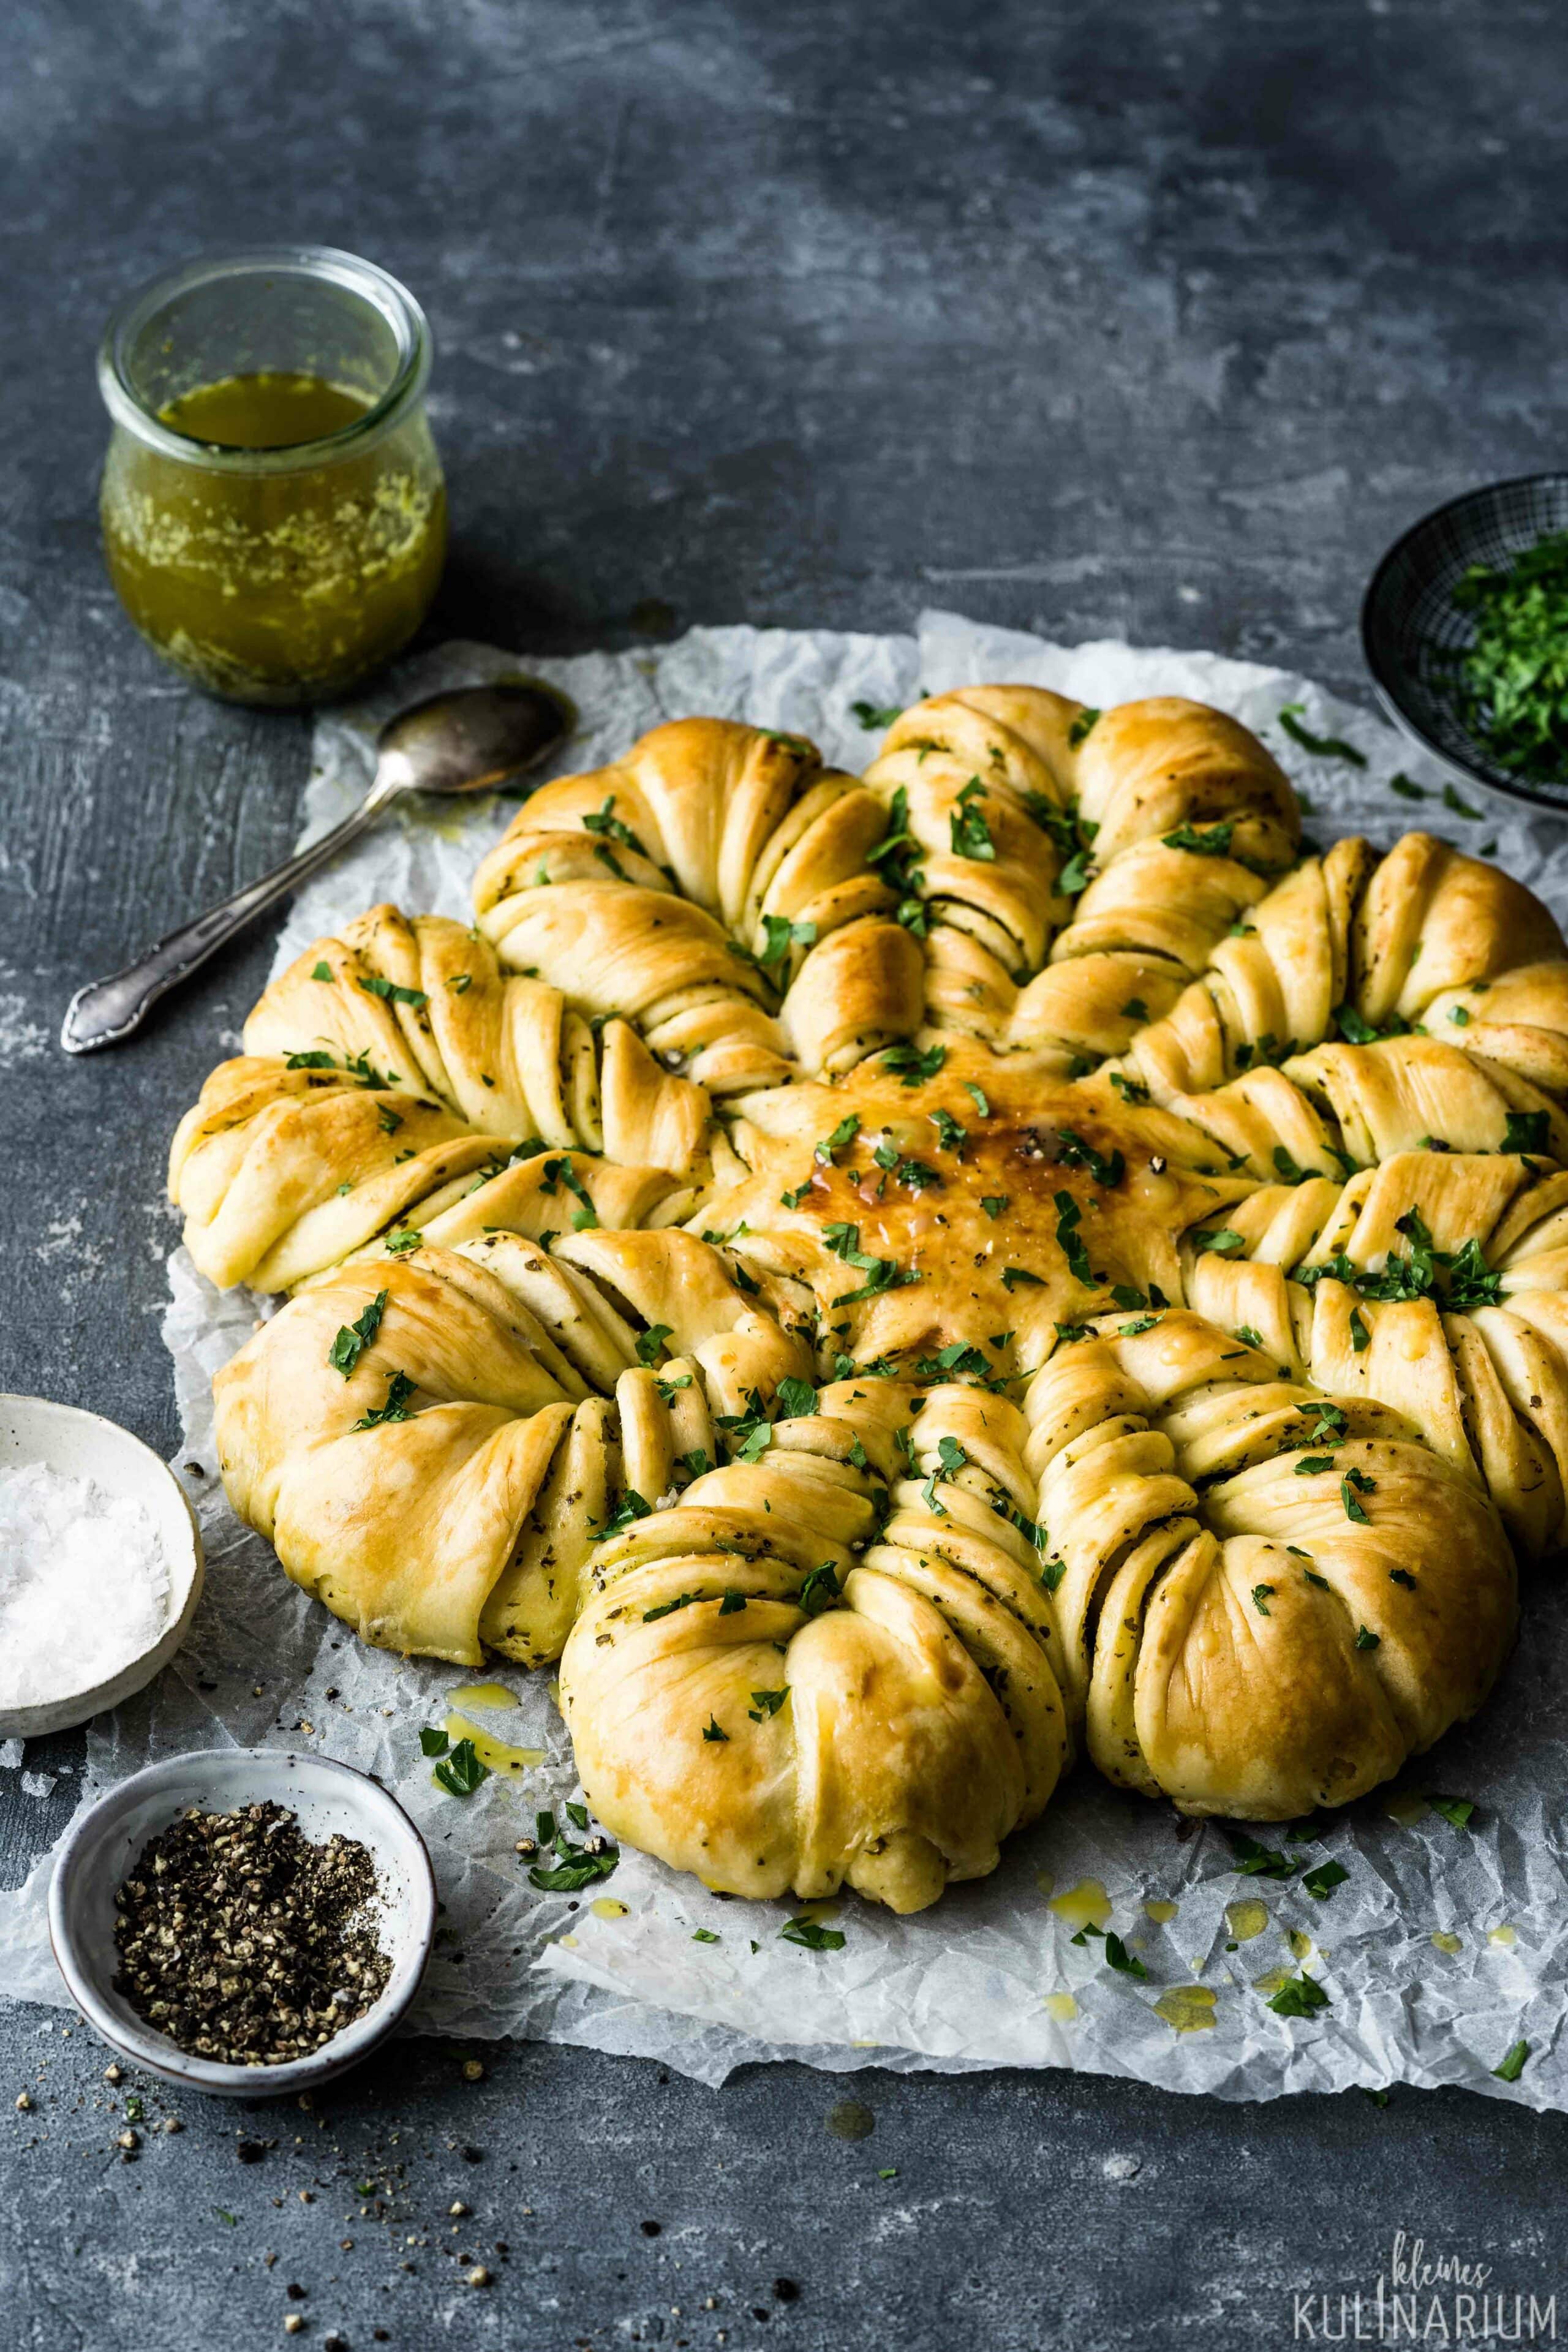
(1152, 317)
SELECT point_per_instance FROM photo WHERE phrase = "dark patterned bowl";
(1411, 628)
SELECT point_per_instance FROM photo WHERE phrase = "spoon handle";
(107, 1012)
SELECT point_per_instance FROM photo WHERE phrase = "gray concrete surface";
(1154, 318)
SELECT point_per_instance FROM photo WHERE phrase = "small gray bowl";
(325, 1796)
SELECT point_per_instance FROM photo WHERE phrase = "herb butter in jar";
(274, 515)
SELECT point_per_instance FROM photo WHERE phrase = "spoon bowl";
(474, 738)
(469, 740)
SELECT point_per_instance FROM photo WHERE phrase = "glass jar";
(274, 513)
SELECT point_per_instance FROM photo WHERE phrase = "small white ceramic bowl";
(324, 1796)
(84, 1445)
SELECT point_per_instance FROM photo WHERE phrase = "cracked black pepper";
(244, 1942)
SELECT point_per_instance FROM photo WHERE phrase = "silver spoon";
(468, 741)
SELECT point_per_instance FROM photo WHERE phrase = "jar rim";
(330, 266)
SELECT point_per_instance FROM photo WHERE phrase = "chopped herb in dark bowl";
(1465, 631)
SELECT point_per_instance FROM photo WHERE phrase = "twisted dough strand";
(1423, 939)
(1239, 1640)
(1485, 1383)
(689, 886)
(436, 1512)
(387, 1074)
(1011, 797)
(812, 1673)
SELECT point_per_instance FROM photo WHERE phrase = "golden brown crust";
(902, 1277)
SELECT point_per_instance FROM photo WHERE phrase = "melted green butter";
(851, 2119)
(282, 584)
(273, 411)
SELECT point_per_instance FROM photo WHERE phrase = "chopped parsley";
(874, 716)
(1082, 725)
(390, 992)
(813, 1935)
(1069, 1216)
(462, 1773)
(1299, 1996)
(1512, 2066)
(1320, 1881)
(969, 833)
(394, 1406)
(560, 1171)
(1353, 1484)
(1322, 747)
(827, 1152)
(605, 823)
(820, 1590)
(1073, 1151)
(1213, 842)
(354, 1337)
(913, 1066)
(1510, 682)
(631, 1506)
(1528, 1132)
(579, 1866)
(881, 1273)
(779, 935)
(956, 1360)
(896, 856)
(1255, 1861)
(667, 1608)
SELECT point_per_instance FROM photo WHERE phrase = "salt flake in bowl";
(101, 1565)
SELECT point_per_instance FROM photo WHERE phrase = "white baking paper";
(992, 1976)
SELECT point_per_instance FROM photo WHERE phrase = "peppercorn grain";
(244, 1942)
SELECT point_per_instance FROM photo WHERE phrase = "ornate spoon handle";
(107, 1012)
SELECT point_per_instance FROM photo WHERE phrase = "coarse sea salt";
(84, 1584)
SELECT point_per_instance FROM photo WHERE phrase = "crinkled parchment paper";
(992, 1976)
